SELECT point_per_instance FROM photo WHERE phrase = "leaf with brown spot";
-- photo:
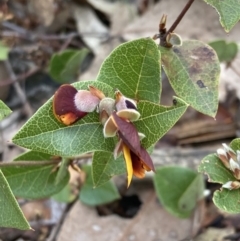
(193, 71)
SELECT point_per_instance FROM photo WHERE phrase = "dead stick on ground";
(18, 89)
(19, 77)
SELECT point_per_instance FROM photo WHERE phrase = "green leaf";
(104, 167)
(98, 196)
(3, 52)
(178, 189)
(66, 195)
(193, 193)
(235, 144)
(228, 10)
(44, 133)
(34, 181)
(193, 71)
(11, 214)
(227, 200)
(212, 166)
(65, 66)
(226, 51)
(4, 110)
(134, 69)
(33, 156)
(157, 120)
(63, 170)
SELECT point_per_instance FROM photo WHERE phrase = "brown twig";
(29, 163)
(66, 43)
(19, 77)
(237, 72)
(179, 18)
(39, 163)
(18, 89)
(34, 37)
(175, 24)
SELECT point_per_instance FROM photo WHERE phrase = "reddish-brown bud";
(64, 107)
(70, 105)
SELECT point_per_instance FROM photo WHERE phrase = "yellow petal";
(128, 160)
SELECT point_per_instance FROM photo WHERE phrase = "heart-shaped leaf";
(134, 68)
(104, 167)
(226, 51)
(67, 195)
(65, 66)
(11, 214)
(44, 133)
(34, 181)
(228, 10)
(193, 71)
(178, 189)
(157, 120)
(4, 110)
(100, 195)
(193, 193)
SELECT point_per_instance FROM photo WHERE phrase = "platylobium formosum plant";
(118, 118)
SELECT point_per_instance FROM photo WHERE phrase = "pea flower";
(231, 160)
(120, 123)
(70, 105)
(231, 185)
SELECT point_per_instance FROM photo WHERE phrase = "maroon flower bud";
(70, 105)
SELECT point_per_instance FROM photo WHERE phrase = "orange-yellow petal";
(145, 167)
(129, 167)
(67, 119)
(138, 167)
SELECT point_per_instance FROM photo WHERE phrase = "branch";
(18, 89)
(39, 163)
(29, 163)
(162, 30)
(180, 16)
(19, 77)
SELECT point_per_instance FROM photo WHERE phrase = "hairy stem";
(39, 163)
(29, 163)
